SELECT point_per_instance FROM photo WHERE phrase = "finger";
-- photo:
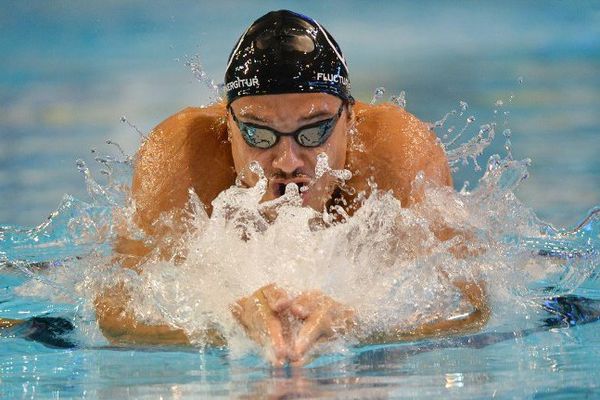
(311, 331)
(299, 311)
(257, 318)
(305, 304)
(239, 310)
(236, 310)
(276, 297)
(273, 334)
(276, 342)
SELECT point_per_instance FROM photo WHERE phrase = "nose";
(287, 158)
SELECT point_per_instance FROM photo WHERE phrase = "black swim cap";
(286, 52)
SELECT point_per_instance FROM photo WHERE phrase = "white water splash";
(195, 65)
(385, 261)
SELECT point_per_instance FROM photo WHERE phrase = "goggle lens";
(264, 137)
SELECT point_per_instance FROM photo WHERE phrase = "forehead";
(286, 106)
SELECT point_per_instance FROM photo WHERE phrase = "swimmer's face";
(288, 161)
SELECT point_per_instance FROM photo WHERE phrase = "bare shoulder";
(187, 150)
(392, 146)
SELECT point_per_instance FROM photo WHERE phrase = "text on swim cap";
(238, 83)
(332, 78)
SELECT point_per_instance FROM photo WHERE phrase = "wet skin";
(202, 149)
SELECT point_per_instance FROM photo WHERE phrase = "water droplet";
(378, 94)
(195, 66)
(291, 189)
(257, 169)
(399, 100)
(126, 121)
(119, 148)
(465, 186)
(322, 165)
(476, 165)
(483, 129)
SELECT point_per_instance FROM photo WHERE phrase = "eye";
(264, 138)
(248, 133)
(310, 137)
(315, 136)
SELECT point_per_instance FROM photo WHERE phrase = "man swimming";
(287, 101)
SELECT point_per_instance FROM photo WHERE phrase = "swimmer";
(288, 99)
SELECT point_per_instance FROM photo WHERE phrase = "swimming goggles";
(263, 137)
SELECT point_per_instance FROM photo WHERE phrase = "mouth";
(279, 187)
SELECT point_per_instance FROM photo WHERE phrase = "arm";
(7, 323)
(475, 320)
(119, 325)
(323, 319)
(396, 147)
(187, 150)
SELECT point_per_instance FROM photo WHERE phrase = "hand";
(323, 318)
(262, 316)
(266, 316)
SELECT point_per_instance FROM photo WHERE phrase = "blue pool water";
(70, 71)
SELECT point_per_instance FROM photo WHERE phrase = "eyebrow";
(322, 113)
(252, 117)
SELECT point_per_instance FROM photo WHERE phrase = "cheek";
(336, 151)
(238, 154)
(243, 155)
